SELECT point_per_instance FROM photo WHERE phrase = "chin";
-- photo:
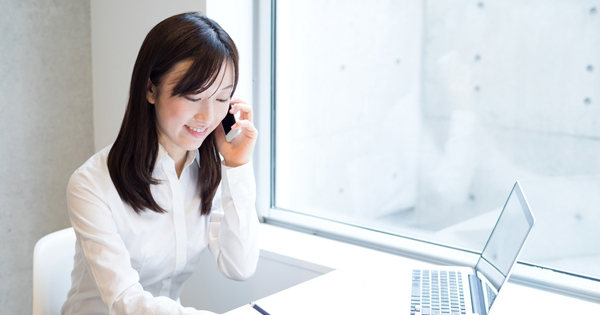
(191, 145)
(195, 146)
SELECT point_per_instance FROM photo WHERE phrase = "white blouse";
(129, 263)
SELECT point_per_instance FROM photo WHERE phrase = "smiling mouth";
(196, 129)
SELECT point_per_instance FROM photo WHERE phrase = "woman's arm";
(233, 224)
(106, 257)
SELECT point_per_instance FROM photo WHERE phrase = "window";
(415, 118)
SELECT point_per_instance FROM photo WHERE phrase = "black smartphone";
(227, 122)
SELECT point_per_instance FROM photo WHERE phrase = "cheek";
(172, 113)
(220, 112)
(169, 116)
(161, 115)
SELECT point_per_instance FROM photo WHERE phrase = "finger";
(245, 111)
(247, 127)
(244, 108)
(235, 100)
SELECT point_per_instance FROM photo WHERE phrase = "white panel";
(235, 17)
(209, 290)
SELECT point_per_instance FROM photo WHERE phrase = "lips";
(198, 130)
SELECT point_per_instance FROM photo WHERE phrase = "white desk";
(341, 292)
(371, 282)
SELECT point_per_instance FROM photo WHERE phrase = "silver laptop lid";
(506, 241)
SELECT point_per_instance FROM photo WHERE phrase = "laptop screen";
(507, 238)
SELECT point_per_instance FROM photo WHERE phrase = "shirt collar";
(197, 157)
(191, 157)
(161, 155)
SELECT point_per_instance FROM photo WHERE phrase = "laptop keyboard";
(437, 292)
(491, 295)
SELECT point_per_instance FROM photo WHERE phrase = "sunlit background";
(417, 117)
(412, 117)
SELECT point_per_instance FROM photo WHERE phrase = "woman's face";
(185, 121)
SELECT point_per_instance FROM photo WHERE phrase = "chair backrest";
(52, 266)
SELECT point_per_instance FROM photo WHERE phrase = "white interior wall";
(118, 30)
(235, 17)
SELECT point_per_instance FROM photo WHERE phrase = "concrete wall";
(415, 117)
(511, 92)
(46, 129)
(348, 101)
(47, 122)
(523, 72)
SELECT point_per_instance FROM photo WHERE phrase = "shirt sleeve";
(233, 225)
(106, 256)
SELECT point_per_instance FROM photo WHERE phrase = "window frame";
(264, 93)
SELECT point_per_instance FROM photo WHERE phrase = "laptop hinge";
(477, 295)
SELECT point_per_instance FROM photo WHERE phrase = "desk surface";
(377, 283)
(358, 292)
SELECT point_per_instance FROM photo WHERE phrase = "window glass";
(417, 117)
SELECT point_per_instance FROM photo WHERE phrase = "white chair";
(52, 266)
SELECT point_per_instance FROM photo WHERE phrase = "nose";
(205, 113)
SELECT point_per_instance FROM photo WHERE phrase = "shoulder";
(93, 174)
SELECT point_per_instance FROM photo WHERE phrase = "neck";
(178, 155)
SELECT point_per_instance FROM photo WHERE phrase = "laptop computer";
(464, 291)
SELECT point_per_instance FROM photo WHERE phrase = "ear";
(151, 92)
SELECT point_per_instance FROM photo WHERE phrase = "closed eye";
(192, 99)
(223, 100)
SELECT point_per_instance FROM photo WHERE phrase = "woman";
(146, 207)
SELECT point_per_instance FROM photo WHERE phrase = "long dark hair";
(187, 36)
